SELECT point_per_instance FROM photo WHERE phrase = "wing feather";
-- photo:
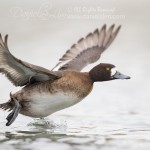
(21, 73)
(87, 50)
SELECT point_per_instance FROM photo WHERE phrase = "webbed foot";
(13, 115)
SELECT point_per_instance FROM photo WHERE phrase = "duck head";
(106, 72)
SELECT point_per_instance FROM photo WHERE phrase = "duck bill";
(119, 75)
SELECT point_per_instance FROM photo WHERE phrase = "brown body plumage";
(72, 83)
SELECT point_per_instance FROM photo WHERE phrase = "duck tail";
(7, 106)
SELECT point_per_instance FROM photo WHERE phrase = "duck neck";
(95, 77)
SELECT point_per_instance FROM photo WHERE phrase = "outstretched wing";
(87, 50)
(19, 72)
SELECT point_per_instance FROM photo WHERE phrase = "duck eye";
(107, 69)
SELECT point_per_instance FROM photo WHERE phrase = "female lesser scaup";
(45, 91)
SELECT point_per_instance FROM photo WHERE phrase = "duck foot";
(13, 115)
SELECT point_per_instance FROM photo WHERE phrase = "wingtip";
(73, 45)
(0, 36)
(113, 25)
(81, 39)
(6, 38)
(96, 30)
(104, 26)
(88, 35)
(118, 29)
(111, 28)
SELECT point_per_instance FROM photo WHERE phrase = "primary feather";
(21, 73)
(87, 50)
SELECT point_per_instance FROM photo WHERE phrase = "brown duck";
(47, 91)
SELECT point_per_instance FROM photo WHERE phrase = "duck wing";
(87, 50)
(21, 73)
